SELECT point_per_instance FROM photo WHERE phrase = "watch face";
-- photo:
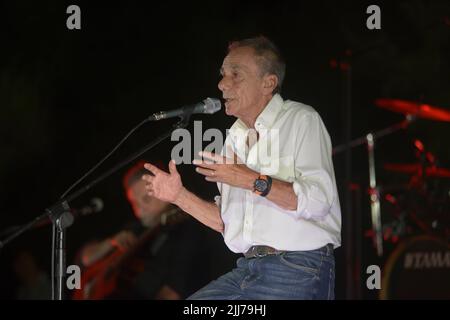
(260, 185)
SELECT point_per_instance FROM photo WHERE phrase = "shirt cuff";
(312, 203)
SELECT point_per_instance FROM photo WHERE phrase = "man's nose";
(224, 84)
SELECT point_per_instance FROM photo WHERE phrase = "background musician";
(161, 248)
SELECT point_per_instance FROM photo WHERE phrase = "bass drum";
(419, 268)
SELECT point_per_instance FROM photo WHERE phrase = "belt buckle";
(261, 251)
(258, 252)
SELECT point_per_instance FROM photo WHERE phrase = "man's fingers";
(212, 156)
(205, 172)
(172, 167)
(204, 164)
(153, 169)
(212, 179)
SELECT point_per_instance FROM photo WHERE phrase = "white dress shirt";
(293, 146)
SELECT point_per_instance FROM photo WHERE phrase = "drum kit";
(421, 206)
(410, 222)
(413, 218)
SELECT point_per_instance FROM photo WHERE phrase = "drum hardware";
(424, 169)
(374, 192)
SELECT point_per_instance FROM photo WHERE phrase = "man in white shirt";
(278, 202)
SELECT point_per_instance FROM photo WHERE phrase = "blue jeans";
(288, 276)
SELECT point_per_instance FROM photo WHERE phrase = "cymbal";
(419, 110)
(415, 168)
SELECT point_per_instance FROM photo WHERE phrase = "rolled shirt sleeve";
(313, 184)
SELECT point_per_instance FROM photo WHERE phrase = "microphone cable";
(103, 160)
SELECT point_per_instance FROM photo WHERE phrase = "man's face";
(242, 83)
(144, 206)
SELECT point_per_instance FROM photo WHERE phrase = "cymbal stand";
(374, 194)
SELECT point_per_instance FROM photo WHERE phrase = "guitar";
(101, 279)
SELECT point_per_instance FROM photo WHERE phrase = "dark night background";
(68, 96)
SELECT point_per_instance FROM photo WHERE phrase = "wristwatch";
(262, 185)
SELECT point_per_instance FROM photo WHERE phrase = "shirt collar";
(265, 119)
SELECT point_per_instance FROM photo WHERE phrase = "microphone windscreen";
(212, 105)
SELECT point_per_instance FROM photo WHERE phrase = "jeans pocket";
(301, 261)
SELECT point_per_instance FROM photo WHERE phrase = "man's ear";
(270, 83)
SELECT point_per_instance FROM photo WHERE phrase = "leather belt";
(261, 251)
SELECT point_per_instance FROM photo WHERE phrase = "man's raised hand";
(162, 185)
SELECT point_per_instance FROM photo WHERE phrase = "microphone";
(208, 106)
(96, 205)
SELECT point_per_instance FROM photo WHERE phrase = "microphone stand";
(62, 218)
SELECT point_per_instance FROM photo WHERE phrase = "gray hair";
(269, 56)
